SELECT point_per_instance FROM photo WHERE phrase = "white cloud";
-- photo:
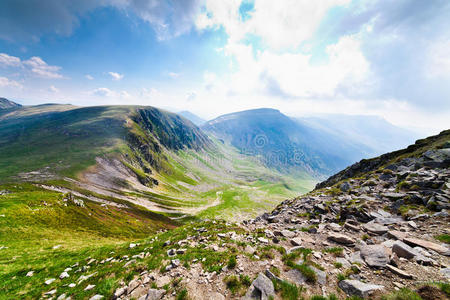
(8, 83)
(438, 59)
(53, 89)
(9, 61)
(35, 65)
(115, 76)
(174, 75)
(108, 93)
(90, 77)
(279, 25)
(41, 68)
(103, 92)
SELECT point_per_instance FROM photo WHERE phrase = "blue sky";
(377, 57)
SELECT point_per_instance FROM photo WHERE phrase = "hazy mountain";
(284, 143)
(192, 117)
(7, 104)
(372, 131)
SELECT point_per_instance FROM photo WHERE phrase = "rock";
(358, 288)
(351, 226)
(345, 263)
(50, 293)
(162, 281)
(64, 275)
(296, 276)
(335, 227)
(132, 245)
(249, 249)
(355, 257)
(345, 187)
(155, 294)
(96, 297)
(321, 276)
(393, 196)
(288, 233)
(30, 273)
(49, 281)
(262, 288)
(446, 272)
(272, 276)
(341, 239)
(403, 250)
(89, 287)
(181, 251)
(133, 285)
(375, 228)
(375, 255)
(426, 244)
(56, 247)
(296, 241)
(62, 297)
(399, 272)
(263, 240)
(119, 292)
(171, 252)
(72, 285)
(395, 234)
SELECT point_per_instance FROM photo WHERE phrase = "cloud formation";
(35, 66)
(25, 20)
(8, 83)
(115, 76)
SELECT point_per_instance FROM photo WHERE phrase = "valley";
(134, 202)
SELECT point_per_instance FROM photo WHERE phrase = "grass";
(287, 290)
(237, 285)
(445, 238)
(402, 294)
(337, 251)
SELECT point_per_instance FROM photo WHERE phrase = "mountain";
(374, 132)
(377, 230)
(8, 104)
(192, 117)
(136, 155)
(285, 143)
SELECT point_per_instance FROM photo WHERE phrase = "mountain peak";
(7, 104)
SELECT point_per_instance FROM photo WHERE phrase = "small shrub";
(182, 295)
(341, 277)
(337, 251)
(246, 280)
(338, 265)
(232, 262)
(287, 290)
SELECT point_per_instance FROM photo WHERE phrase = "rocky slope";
(380, 233)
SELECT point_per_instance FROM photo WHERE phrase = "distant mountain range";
(192, 117)
(319, 145)
(7, 104)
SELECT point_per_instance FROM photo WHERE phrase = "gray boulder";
(358, 288)
(403, 250)
(375, 255)
(261, 288)
(154, 294)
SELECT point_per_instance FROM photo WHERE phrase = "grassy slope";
(67, 139)
(33, 221)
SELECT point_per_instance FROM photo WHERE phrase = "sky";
(389, 58)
